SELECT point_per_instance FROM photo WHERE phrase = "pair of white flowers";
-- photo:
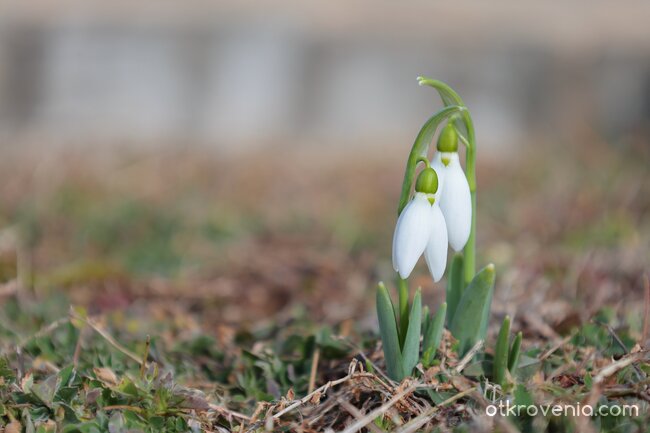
(440, 213)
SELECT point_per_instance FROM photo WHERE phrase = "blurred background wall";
(233, 75)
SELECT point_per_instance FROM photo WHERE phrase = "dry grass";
(255, 282)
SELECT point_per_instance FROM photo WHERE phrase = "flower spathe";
(455, 198)
(420, 229)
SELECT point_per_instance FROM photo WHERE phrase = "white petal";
(440, 169)
(411, 234)
(399, 221)
(456, 204)
(436, 250)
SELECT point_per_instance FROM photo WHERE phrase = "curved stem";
(451, 98)
(424, 160)
(419, 149)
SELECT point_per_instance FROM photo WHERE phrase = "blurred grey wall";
(244, 74)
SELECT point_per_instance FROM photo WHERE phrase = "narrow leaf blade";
(433, 335)
(515, 349)
(467, 324)
(411, 351)
(388, 331)
(455, 286)
(501, 353)
(485, 314)
(403, 292)
(426, 319)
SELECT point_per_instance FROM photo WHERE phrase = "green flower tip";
(427, 181)
(448, 139)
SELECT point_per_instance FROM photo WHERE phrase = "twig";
(108, 337)
(614, 367)
(314, 370)
(468, 356)
(639, 374)
(555, 347)
(646, 310)
(77, 348)
(368, 360)
(358, 415)
(626, 392)
(320, 390)
(422, 419)
(616, 338)
(122, 407)
(143, 365)
(368, 418)
(20, 368)
(233, 413)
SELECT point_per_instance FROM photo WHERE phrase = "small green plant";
(437, 209)
(506, 356)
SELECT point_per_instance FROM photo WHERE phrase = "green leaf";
(411, 350)
(485, 314)
(5, 370)
(426, 319)
(515, 350)
(388, 331)
(455, 285)
(522, 396)
(439, 396)
(65, 374)
(433, 335)
(46, 390)
(448, 95)
(527, 367)
(467, 325)
(501, 354)
(403, 291)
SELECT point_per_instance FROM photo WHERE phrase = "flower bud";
(448, 139)
(427, 181)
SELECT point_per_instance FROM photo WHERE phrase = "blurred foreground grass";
(254, 278)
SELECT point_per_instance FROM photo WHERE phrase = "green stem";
(424, 160)
(419, 149)
(451, 98)
(403, 296)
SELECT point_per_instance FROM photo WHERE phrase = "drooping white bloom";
(420, 230)
(455, 198)
(412, 234)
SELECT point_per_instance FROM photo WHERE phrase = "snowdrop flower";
(421, 230)
(455, 197)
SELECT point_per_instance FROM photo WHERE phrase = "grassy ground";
(183, 292)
